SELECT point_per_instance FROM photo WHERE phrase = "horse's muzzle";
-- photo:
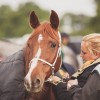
(35, 86)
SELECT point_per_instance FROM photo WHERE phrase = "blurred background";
(77, 18)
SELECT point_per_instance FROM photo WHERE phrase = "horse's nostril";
(36, 83)
(27, 85)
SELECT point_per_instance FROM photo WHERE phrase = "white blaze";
(33, 64)
(40, 38)
(34, 61)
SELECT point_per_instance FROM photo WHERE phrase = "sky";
(86, 7)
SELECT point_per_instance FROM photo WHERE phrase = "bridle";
(46, 62)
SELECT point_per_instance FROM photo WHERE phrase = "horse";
(42, 57)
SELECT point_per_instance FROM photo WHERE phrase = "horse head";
(42, 52)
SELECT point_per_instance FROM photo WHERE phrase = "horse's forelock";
(51, 32)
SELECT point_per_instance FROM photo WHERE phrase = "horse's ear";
(54, 20)
(34, 22)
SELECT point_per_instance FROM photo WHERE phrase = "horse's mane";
(40, 29)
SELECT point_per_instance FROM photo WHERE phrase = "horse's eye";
(53, 45)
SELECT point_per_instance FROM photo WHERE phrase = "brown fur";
(42, 70)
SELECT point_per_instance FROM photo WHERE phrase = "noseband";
(51, 65)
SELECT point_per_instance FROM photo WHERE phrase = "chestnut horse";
(42, 57)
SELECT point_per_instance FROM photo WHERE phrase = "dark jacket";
(88, 88)
(12, 73)
(65, 68)
(68, 68)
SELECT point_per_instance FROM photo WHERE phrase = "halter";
(51, 65)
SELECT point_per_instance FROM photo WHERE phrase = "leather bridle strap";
(51, 65)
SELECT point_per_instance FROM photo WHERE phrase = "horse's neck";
(47, 94)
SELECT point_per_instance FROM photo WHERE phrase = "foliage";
(15, 23)
(95, 21)
(77, 23)
(81, 24)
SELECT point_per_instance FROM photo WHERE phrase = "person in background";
(67, 53)
(75, 47)
(84, 84)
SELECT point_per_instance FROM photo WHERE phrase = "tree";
(95, 21)
(16, 23)
(75, 24)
